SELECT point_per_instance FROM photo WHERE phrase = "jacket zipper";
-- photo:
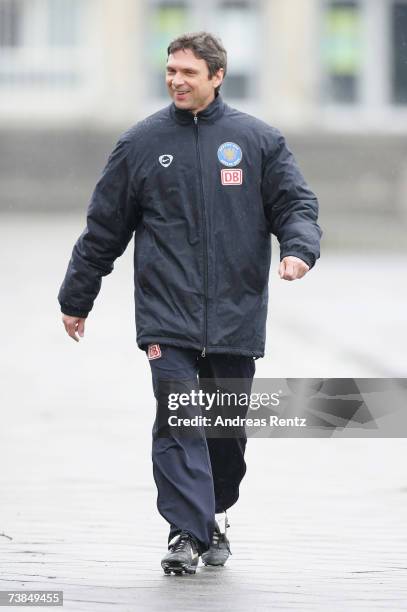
(205, 341)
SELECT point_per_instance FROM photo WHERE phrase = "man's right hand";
(73, 326)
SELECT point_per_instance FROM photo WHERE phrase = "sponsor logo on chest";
(232, 177)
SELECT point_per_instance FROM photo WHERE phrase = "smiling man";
(203, 186)
(189, 83)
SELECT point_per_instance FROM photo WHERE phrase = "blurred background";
(332, 74)
(77, 491)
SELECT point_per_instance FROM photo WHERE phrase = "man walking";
(203, 186)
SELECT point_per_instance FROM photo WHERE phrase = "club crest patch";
(232, 177)
(154, 351)
(230, 154)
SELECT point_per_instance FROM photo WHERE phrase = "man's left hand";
(292, 268)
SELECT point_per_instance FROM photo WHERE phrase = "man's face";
(188, 81)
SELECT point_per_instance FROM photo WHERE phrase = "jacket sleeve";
(112, 217)
(291, 208)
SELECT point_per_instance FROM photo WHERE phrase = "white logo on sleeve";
(165, 160)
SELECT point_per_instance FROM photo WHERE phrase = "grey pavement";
(320, 524)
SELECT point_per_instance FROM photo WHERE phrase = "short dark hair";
(204, 46)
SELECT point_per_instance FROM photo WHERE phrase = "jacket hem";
(143, 341)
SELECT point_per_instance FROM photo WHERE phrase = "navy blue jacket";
(203, 196)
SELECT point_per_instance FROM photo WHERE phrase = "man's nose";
(177, 80)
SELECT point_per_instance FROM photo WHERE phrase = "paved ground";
(321, 523)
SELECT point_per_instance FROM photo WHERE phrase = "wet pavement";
(321, 523)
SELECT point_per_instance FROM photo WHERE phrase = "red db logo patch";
(232, 177)
(154, 351)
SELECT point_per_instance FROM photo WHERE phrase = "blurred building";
(331, 73)
(306, 63)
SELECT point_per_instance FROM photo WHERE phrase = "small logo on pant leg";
(154, 351)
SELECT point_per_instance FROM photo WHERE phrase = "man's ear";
(218, 77)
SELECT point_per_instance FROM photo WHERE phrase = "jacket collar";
(209, 114)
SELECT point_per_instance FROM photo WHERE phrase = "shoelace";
(180, 544)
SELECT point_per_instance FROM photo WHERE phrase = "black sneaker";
(219, 551)
(182, 555)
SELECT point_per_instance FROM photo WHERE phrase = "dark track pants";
(196, 474)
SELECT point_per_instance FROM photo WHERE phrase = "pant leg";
(181, 464)
(227, 454)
